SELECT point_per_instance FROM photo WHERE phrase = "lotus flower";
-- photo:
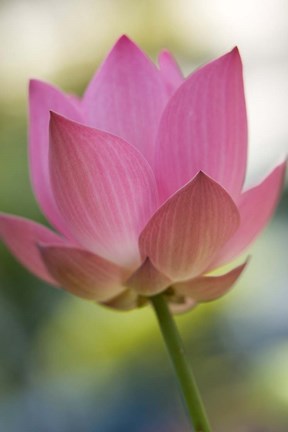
(142, 180)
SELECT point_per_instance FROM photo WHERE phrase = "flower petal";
(256, 207)
(104, 188)
(83, 273)
(43, 98)
(207, 288)
(127, 96)
(126, 301)
(170, 71)
(183, 236)
(21, 236)
(147, 280)
(180, 307)
(204, 128)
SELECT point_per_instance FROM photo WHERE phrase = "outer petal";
(126, 97)
(21, 236)
(104, 188)
(207, 288)
(204, 128)
(183, 236)
(126, 301)
(180, 307)
(170, 71)
(43, 98)
(256, 207)
(147, 280)
(82, 273)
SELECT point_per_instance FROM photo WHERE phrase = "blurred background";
(69, 365)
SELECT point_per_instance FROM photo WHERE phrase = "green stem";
(184, 373)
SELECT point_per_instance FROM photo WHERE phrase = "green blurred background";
(69, 365)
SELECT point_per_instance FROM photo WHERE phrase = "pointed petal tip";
(36, 86)
(235, 51)
(56, 117)
(238, 270)
(31, 84)
(123, 39)
(232, 56)
(127, 47)
(57, 120)
(164, 54)
(201, 175)
(235, 54)
(34, 83)
(202, 178)
(124, 42)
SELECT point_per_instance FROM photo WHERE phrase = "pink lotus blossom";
(143, 181)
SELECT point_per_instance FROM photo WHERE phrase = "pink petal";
(82, 273)
(183, 236)
(21, 236)
(127, 96)
(180, 307)
(104, 188)
(256, 207)
(43, 98)
(204, 128)
(207, 288)
(170, 71)
(147, 280)
(126, 301)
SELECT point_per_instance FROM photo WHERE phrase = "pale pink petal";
(184, 306)
(21, 236)
(170, 71)
(207, 288)
(183, 236)
(43, 98)
(104, 188)
(147, 280)
(83, 273)
(126, 301)
(256, 207)
(204, 128)
(127, 96)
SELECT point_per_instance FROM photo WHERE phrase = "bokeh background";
(69, 365)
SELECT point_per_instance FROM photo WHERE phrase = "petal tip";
(57, 119)
(164, 54)
(202, 177)
(235, 51)
(34, 83)
(232, 57)
(235, 56)
(124, 42)
(124, 39)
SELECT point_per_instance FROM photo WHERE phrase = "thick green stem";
(183, 371)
